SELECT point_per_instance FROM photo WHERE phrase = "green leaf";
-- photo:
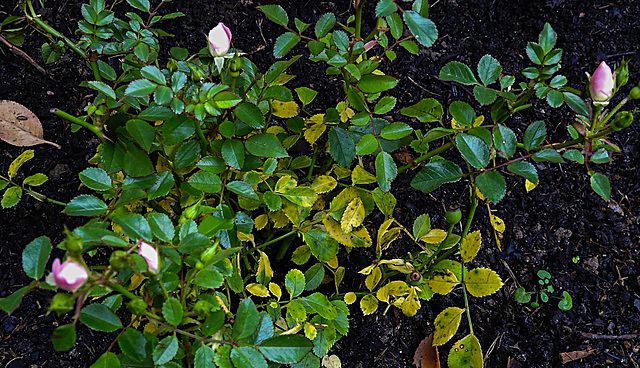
(226, 100)
(555, 98)
(177, 128)
(505, 140)
(163, 95)
(85, 205)
(294, 281)
(410, 46)
(386, 170)
(547, 38)
(96, 179)
(140, 5)
(107, 360)
(463, 113)
(205, 181)
(12, 301)
(35, 257)
(324, 25)
(276, 13)
(385, 7)
(373, 83)
(161, 226)
(100, 318)
(473, 149)
(285, 349)
(166, 349)
(247, 356)
(153, 73)
(103, 88)
(64, 337)
(386, 104)
(466, 353)
(314, 275)
(574, 155)
(306, 95)
(576, 103)
(322, 245)
(435, 174)
(132, 343)
(395, 131)
(484, 95)
(601, 185)
(284, 43)
(204, 357)
(489, 70)
(278, 68)
(265, 145)
(140, 88)
(458, 72)
(136, 162)
(600, 156)
(422, 28)
(427, 110)
(368, 144)
(209, 278)
(341, 146)
(134, 226)
(172, 311)
(492, 185)
(11, 197)
(233, 152)
(243, 188)
(534, 135)
(547, 154)
(566, 303)
(154, 113)
(162, 186)
(187, 154)
(524, 169)
(246, 321)
(249, 114)
(320, 304)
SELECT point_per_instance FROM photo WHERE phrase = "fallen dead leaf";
(426, 355)
(19, 126)
(331, 361)
(571, 356)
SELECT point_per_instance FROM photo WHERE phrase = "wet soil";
(589, 247)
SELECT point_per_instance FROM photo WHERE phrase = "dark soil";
(546, 228)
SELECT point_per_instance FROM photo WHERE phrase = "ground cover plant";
(195, 179)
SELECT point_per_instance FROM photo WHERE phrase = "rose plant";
(197, 187)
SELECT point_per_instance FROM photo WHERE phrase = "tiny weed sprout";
(226, 201)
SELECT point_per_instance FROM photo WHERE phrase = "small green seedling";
(546, 288)
(576, 259)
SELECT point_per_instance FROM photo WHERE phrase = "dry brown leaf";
(426, 355)
(19, 126)
(575, 355)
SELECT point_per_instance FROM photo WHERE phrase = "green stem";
(316, 152)
(43, 198)
(53, 32)
(80, 122)
(203, 139)
(120, 289)
(466, 302)
(424, 157)
(359, 4)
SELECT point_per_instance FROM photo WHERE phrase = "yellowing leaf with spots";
(374, 277)
(314, 132)
(368, 304)
(258, 290)
(411, 304)
(18, 162)
(350, 298)
(482, 282)
(275, 290)
(386, 236)
(470, 246)
(284, 110)
(284, 183)
(279, 219)
(434, 236)
(446, 324)
(442, 282)
(397, 288)
(302, 196)
(398, 265)
(265, 273)
(529, 185)
(353, 215)
(367, 270)
(310, 331)
(361, 176)
(360, 237)
(324, 184)
(497, 223)
(466, 353)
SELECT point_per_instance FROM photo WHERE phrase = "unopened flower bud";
(172, 65)
(69, 275)
(150, 254)
(622, 73)
(235, 66)
(622, 120)
(137, 306)
(72, 243)
(453, 214)
(119, 260)
(635, 93)
(219, 40)
(62, 303)
(196, 74)
(602, 84)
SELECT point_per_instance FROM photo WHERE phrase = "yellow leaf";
(529, 185)
(265, 273)
(480, 195)
(466, 353)
(386, 236)
(279, 219)
(136, 280)
(284, 183)
(411, 304)
(361, 176)
(345, 111)
(316, 119)
(294, 213)
(275, 290)
(368, 304)
(261, 221)
(333, 262)
(455, 125)
(446, 325)
(284, 110)
(19, 161)
(402, 266)
(470, 246)
(434, 236)
(497, 222)
(353, 215)
(245, 237)
(367, 270)
(340, 171)
(397, 288)
(314, 132)
(479, 120)
(310, 331)
(360, 237)
(442, 282)
(276, 129)
(482, 282)
(331, 361)
(323, 184)
(150, 327)
(339, 276)
(258, 290)
(350, 298)
(374, 277)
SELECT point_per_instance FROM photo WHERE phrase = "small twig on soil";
(587, 335)
(22, 54)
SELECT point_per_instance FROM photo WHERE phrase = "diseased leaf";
(466, 353)
(19, 126)
(482, 282)
(446, 324)
(470, 246)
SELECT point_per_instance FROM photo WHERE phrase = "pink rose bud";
(369, 45)
(68, 275)
(602, 83)
(150, 254)
(219, 40)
